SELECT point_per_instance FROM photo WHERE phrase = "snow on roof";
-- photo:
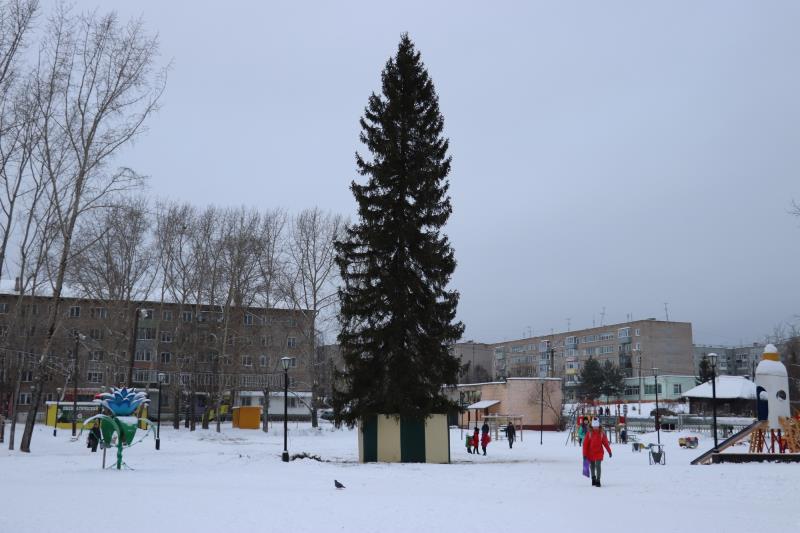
(728, 387)
(483, 404)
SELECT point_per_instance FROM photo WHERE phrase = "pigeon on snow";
(337, 484)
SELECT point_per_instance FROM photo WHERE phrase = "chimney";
(17, 287)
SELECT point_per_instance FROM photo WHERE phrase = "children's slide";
(730, 441)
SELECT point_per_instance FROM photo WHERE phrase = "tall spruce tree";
(397, 316)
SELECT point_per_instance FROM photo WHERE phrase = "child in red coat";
(593, 444)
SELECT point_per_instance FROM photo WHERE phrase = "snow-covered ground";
(235, 481)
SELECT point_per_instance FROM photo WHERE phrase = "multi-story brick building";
(635, 345)
(197, 349)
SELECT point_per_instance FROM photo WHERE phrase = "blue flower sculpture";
(124, 401)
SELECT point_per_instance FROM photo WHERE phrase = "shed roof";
(483, 404)
(728, 387)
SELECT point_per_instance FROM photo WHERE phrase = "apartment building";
(732, 360)
(479, 358)
(635, 345)
(198, 349)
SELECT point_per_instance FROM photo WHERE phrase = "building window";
(166, 337)
(27, 376)
(637, 346)
(146, 314)
(3, 330)
(185, 379)
(248, 319)
(676, 388)
(632, 390)
(96, 355)
(3, 308)
(145, 334)
(637, 332)
(650, 389)
(94, 377)
(24, 398)
(75, 311)
(247, 360)
(96, 334)
(143, 355)
(624, 333)
(99, 312)
(166, 315)
(165, 358)
(263, 361)
(186, 316)
(293, 362)
(144, 376)
(291, 342)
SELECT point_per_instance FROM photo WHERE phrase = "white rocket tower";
(771, 374)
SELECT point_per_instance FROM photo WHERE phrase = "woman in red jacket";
(593, 444)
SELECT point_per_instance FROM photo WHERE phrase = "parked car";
(326, 414)
(662, 411)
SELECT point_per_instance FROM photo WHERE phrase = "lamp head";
(712, 358)
(285, 362)
(161, 377)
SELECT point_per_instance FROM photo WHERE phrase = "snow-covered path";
(235, 481)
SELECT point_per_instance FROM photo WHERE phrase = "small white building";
(299, 402)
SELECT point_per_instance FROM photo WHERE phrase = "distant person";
(476, 439)
(608, 412)
(582, 429)
(94, 437)
(469, 443)
(485, 438)
(511, 434)
(593, 445)
(623, 435)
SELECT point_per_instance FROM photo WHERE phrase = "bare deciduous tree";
(310, 280)
(96, 85)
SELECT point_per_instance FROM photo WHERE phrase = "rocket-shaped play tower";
(772, 382)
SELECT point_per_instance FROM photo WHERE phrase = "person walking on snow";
(511, 434)
(485, 438)
(593, 445)
(582, 432)
(476, 439)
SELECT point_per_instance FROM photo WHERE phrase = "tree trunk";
(176, 416)
(314, 406)
(12, 411)
(265, 412)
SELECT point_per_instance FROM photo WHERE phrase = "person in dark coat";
(94, 437)
(511, 434)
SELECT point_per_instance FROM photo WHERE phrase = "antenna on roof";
(603, 317)
(569, 323)
(666, 310)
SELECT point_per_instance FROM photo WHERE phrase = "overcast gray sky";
(605, 154)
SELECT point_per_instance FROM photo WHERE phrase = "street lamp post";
(285, 364)
(658, 422)
(58, 405)
(161, 377)
(713, 358)
(75, 385)
(641, 385)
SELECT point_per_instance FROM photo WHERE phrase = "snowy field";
(235, 481)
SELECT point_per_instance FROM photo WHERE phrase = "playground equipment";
(766, 439)
(657, 455)
(119, 423)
